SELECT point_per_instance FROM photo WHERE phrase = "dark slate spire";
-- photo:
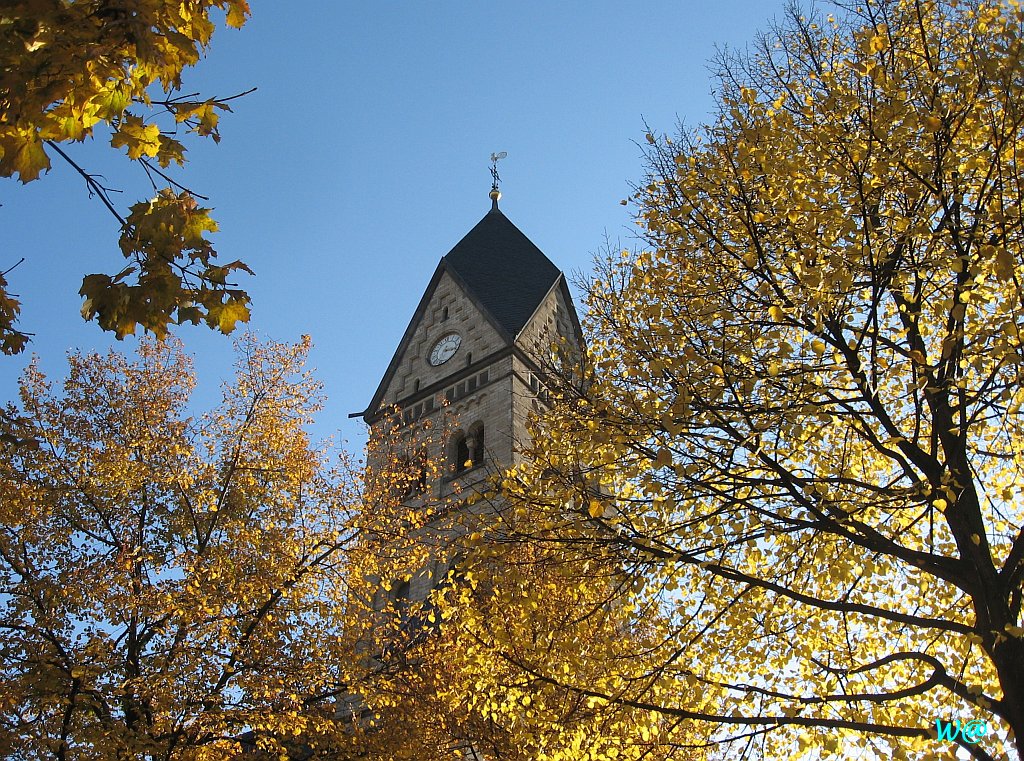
(503, 269)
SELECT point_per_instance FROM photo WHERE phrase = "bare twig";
(150, 168)
(95, 188)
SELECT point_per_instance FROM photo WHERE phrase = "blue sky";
(363, 158)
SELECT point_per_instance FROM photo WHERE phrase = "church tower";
(474, 353)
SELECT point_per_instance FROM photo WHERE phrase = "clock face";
(445, 349)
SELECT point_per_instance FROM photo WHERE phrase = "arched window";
(461, 460)
(400, 594)
(444, 314)
(467, 449)
(475, 443)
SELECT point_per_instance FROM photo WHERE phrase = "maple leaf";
(22, 155)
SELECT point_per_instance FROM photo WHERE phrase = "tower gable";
(445, 308)
(554, 319)
(498, 279)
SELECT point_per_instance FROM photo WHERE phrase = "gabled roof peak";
(502, 268)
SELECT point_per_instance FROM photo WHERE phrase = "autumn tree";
(113, 69)
(801, 436)
(170, 584)
(439, 691)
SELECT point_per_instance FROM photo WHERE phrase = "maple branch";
(184, 98)
(11, 268)
(90, 180)
(148, 166)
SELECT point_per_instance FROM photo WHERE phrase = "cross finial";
(495, 194)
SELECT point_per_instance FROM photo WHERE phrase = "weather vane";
(495, 158)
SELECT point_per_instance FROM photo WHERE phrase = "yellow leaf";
(140, 139)
(238, 11)
(22, 155)
(231, 313)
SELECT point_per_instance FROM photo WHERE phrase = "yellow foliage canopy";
(169, 582)
(801, 423)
